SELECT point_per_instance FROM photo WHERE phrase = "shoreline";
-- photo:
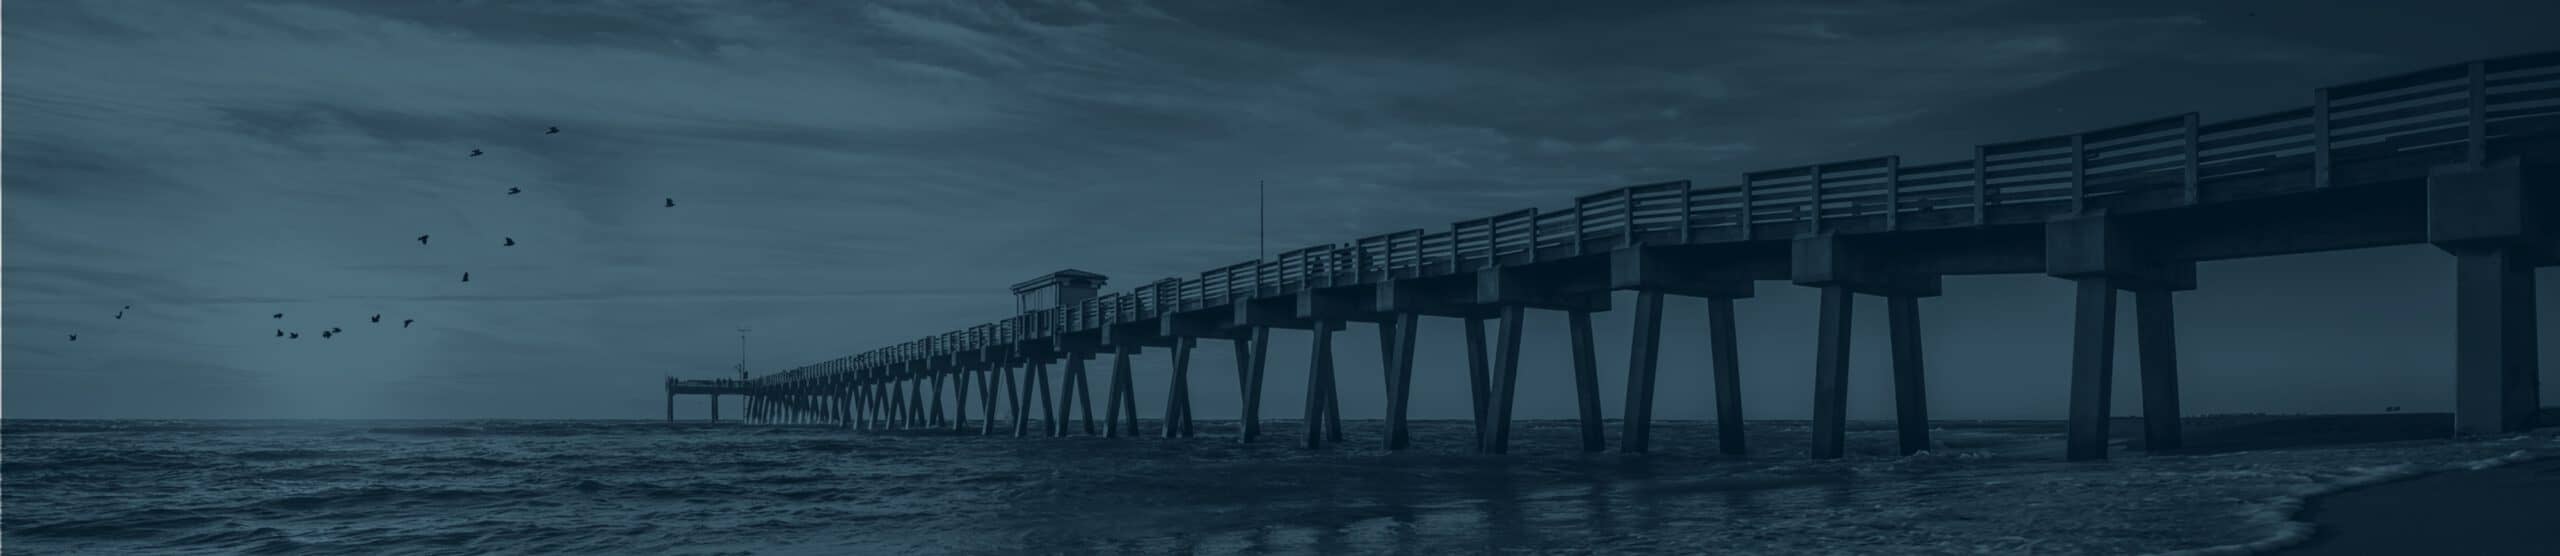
(2498, 506)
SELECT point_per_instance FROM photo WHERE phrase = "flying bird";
(405, 323)
(466, 277)
(293, 336)
(511, 242)
(75, 337)
(475, 152)
(325, 333)
(278, 315)
(279, 332)
(671, 202)
(119, 315)
(377, 317)
(554, 129)
(337, 330)
(422, 240)
(512, 190)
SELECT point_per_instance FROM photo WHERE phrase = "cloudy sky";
(852, 174)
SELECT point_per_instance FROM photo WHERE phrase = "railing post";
(1981, 187)
(1746, 207)
(2188, 183)
(1688, 195)
(2478, 145)
(1627, 218)
(1892, 193)
(1573, 229)
(1813, 199)
(2079, 173)
(2320, 137)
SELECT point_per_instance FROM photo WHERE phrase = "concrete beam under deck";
(1440, 296)
(1135, 335)
(1580, 284)
(1345, 304)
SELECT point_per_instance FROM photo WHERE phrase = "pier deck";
(2463, 156)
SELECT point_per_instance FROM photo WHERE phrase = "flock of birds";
(334, 331)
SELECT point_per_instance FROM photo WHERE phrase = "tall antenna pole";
(742, 352)
(1261, 213)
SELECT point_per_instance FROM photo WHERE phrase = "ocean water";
(639, 487)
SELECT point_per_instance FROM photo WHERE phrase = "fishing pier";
(2465, 157)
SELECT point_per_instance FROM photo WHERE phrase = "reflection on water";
(639, 487)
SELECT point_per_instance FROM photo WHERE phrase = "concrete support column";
(960, 397)
(1586, 380)
(1644, 353)
(1319, 385)
(933, 411)
(1332, 405)
(1910, 393)
(1022, 408)
(1049, 415)
(1083, 390)
(1065, 421)
(1725, 353)
(899, 414)
(1831, 373)
(1399, 369)
(915, 401)
(2155, 328)
(2497, 382)
(1012, 403)
(2496, 220)
(2093, 341)
(671, 407)
(987, 395)
(1252, 356)
(1177, 397)
(1506, 374)
(1122, 390)
(1479, 376)
(715, 408)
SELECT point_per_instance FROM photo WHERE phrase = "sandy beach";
(2510, 509)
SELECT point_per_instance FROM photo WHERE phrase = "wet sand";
(2512, 509)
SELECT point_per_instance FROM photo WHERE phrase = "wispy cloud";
(848, 174)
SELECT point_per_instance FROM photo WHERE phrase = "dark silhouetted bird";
(377, 317)
(511, 242)
(119, 315)
(512, 190)
(325, 334)
(422, 240)
(337, 330)
(128, 307)
(554, 129)
(466, 277)
(279, 332)
(475, 152)
(75, 337)
(405, 323)
(293, 336)
(671, 202)
(278, 315)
